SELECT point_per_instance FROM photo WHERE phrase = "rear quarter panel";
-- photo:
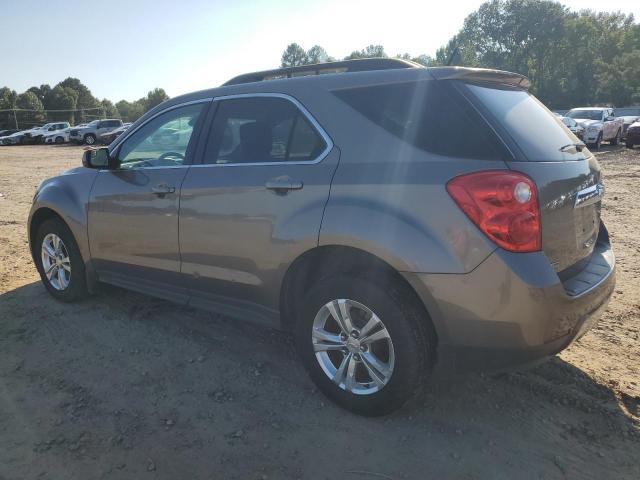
(389, 198)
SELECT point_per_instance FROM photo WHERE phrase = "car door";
(254, 204)
(133, 209)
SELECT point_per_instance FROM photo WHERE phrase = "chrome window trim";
(301, 108)
(122, 138)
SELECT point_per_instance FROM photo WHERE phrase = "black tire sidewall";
(402, 319)
(90, 135)
(77, 283)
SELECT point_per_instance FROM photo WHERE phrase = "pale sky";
(124, 48)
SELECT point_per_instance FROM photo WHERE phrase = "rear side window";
(534, 128)
(430, 115)
(261, 130)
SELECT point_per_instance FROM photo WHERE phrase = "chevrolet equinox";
(397, 220)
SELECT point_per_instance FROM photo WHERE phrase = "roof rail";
(359, 65)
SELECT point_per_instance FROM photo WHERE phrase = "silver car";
(397, 220)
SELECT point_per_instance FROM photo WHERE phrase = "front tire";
(59, 262)
(89, 139)
(367, 344)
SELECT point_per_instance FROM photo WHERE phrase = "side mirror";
(97, 158)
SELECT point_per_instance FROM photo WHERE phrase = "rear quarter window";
(536, 131)
(430, 115)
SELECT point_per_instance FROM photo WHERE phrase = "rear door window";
(261, 130)
(532, 126)
(430, 115)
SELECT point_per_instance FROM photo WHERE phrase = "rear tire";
(68, 285)
(406, 361)
(59, 140)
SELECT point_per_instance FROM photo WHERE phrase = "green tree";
(154, 97)
(7, 104)
(372, 51)
(32, 109)
(41, 92)
(87, 105)
(61, 98)
(293, 56)
(109, 109)
(571, 58)
(130, 111)
(317, 54)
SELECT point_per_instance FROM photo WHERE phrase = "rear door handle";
(163, 189)
(283, 184)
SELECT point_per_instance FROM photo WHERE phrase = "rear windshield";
(538, 133)
(430, 115)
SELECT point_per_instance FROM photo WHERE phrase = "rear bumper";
(513, 309)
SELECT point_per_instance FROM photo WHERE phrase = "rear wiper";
(578, 146)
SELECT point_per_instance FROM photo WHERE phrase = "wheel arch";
(323, 261)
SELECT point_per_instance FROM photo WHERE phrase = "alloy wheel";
(353, 347)
(56, 263)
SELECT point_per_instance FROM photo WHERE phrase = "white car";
(61, 136)
(599, 125)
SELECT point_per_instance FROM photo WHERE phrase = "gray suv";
(397, 220)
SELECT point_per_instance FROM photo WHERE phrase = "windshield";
(95, 122)
(531, 125)
(585, 114)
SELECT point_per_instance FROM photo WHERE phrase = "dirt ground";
(127, 386)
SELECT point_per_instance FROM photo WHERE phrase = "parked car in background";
(17, 138)
(107, 138)
(36, 135)
(59, 137)
(628, 121)
(571, 124)
(633, 135)
(6, 133)
(90, 133)
(599, 125)
(386, 258)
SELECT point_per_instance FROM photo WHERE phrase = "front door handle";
(163, 189)
(283, 184)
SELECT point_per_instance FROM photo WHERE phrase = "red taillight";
(503, 204)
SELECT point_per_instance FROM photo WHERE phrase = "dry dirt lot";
(127, 386)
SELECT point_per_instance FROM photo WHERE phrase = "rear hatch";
(566, 174)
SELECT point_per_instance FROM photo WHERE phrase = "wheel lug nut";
(356, 356)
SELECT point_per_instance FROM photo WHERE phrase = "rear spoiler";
(480, 75)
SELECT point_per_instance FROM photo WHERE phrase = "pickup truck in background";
(92, 131)
(599, 125)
